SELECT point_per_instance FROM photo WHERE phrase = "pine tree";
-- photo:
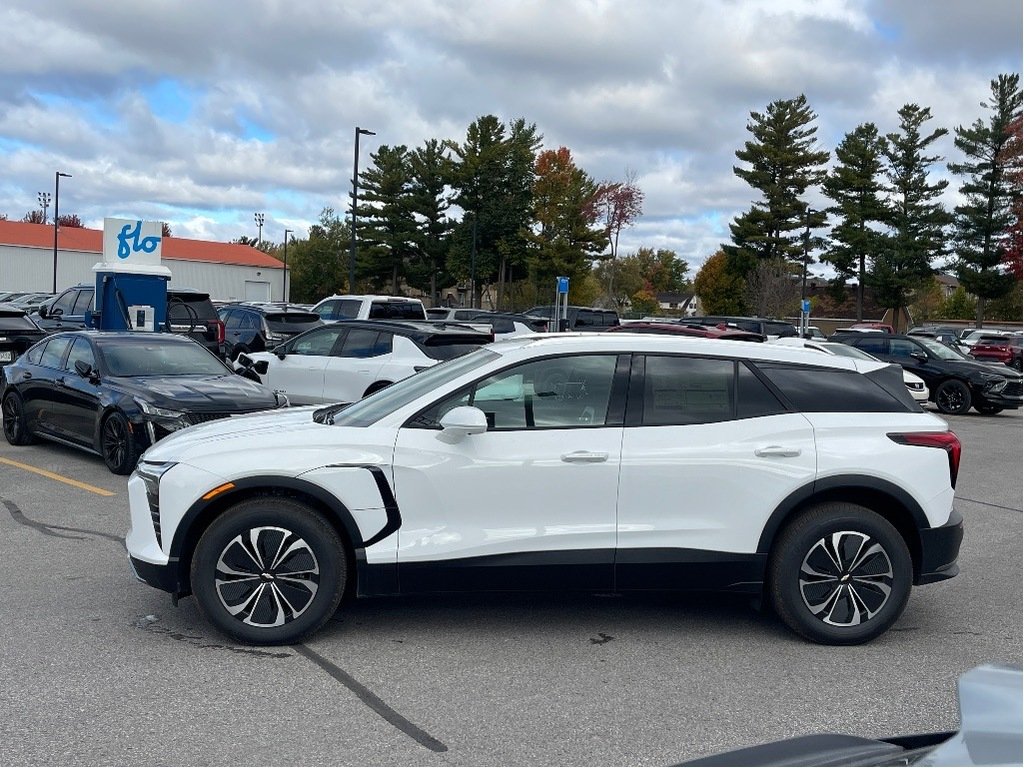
(385, 211)
(982, 222)
(915, 217)
(430, 200)
(855, 187)
(783, 166)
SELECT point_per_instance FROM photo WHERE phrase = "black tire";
(15, 429)
(117, 444)
(376, 387)
(953, 396)
(269, 609)
(988, 409)
(840, 605)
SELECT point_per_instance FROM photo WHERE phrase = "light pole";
(56, 217)
(355, 199)
(803, 280)
(472, 268)
(44, 203)
(284, 287)
(258, 217)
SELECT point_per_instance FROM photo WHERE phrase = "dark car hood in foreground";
(228, 392)
(991, 704)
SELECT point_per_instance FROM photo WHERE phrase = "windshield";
(940, 350)
(156, 359)
(845, 350)
(375, 407)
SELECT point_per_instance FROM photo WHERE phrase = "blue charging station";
(131, 283)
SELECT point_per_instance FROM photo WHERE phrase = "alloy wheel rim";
(846, 578)
(11, 419)
(952, 399)
(115, 441)
(267, 576)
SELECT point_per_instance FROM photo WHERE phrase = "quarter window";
(817, 390)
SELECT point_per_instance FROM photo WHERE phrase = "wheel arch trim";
(824, 489)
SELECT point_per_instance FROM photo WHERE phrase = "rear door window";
(687, 390)
(359, 343)
(872, 344)
(83, 302)
(397, 310)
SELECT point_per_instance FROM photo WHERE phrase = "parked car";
(31, 302)
(957, 382)
(17, 333)
(259, 328)
(1002, 348)
(915, 384)
(577, 318)
(560, 461)
(504, 325)
(990, 733)
(869, 326)
(189, 313)
(769, 329)
(683, 329)
(970, 337)
(66, 311)
(348, 307)
(117, 393)
(350, 359)
(814, 333)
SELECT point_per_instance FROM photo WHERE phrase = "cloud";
(205, 112)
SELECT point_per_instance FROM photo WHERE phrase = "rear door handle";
(585, 457)
(777, 450)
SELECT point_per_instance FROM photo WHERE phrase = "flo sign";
(132, 242)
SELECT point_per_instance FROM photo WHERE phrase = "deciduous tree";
(719, 288)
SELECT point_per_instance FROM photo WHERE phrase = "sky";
(201, 113)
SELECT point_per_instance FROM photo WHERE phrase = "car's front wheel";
(840, 574)
(15, 427)
(269, 571)
(953, 396)
(117, 444)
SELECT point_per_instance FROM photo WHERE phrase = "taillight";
(220, 331)
(947, 441)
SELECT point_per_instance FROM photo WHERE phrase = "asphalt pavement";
(99, 669)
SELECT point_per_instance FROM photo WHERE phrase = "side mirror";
(44, 312)
(55, 312)
(923, 357)
(280, 351)
(261, 367)
(86, 371)
(462, 422)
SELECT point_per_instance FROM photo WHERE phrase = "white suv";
(351, 307)
(592, 462)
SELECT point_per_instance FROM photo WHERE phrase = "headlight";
(163, 413)
(995, 385)
(150, 473)
(168, 419)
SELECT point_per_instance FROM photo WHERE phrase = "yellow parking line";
(58, 478)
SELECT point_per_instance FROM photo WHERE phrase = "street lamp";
(259, 223)
(355, 198)
(56, 216)
(44, 203)
(803, 281)
(284, 287)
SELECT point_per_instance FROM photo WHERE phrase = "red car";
(699, 331)
(874, 327)
(1004, 349)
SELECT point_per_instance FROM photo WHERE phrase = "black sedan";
(115, 394)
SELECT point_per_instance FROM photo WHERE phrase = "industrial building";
(224, 270)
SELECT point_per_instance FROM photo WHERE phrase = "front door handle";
(777, 450)
(585, 457)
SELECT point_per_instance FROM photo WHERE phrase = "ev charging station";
(131, 282)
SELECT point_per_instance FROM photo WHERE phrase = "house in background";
(686, 304)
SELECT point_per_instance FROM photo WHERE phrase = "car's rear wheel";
(840, 574)
(269, 571)
(15, 426)
(117, 444)
(953, 396)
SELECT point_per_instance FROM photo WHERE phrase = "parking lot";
(99, 669)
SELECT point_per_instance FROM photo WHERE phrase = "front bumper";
(163, 577)
(940, 548)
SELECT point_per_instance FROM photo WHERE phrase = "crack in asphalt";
(148, 623)
(49, 529)
(989, 504)
(372, 700)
